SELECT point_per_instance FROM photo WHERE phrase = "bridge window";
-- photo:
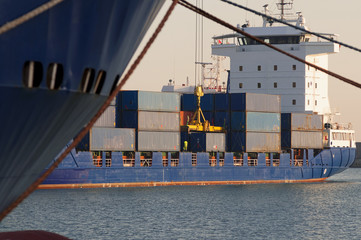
(271, 40)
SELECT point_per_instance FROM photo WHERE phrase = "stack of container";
(221, 111)
(255, 123)
(155, 116)
(105, 137)
(204, 141)
(302, 130)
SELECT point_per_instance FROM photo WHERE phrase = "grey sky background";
(172, 55)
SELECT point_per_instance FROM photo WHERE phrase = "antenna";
(282, 5)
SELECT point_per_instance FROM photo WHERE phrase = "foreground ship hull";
(78, 171)
(41, 116)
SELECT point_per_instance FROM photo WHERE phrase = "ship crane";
(196, 123)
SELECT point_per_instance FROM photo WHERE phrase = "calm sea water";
(330, 210)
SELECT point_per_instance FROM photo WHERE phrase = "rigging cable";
(184, 3)
(86, 129)
(293, 26)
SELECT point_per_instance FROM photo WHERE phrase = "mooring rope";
(26, 17)
(86, 129)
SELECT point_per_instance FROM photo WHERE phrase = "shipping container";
(158, 141)
(209, 116)
(302, 122)
(254, 102)
(215, 142)
(255, 142)
(221, 102)
(302, 139)
(151, 121)
(185, 117)
(256, 121)
(111, 139)
(222, 119)
(107, 119)
(150, 101)
(189, 102)
(206, 142)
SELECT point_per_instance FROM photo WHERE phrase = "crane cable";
(86, 129)
(293, 26)
(186, 4)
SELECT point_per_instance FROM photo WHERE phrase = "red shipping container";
(185, 116)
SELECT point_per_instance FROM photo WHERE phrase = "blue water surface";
(329, 210)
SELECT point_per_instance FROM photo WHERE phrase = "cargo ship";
(272, 123)
(59, 61)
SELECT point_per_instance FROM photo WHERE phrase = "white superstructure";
(258, 69)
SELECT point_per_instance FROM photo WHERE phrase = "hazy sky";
(172, 55)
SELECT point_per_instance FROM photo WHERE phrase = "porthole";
(32, 74)
(99, 82)
(115, 84)
(54, 76)
(87, 80)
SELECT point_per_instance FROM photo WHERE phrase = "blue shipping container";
(222, 119)
(209, 116)
(255, 121)
(151, 101)
(221, 102)
(189, 102)
(206, 142)
(197, 142)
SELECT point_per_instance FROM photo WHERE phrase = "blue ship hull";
(37, 121)
(78, 171)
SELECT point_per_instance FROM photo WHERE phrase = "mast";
(282, 6)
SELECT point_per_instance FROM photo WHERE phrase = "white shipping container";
(158, 121)
(263, 142)
(263, 103)
(303, 121)
(107, 119)
(112, 139)
(215, 142)
(303, 139)
(158, 141)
